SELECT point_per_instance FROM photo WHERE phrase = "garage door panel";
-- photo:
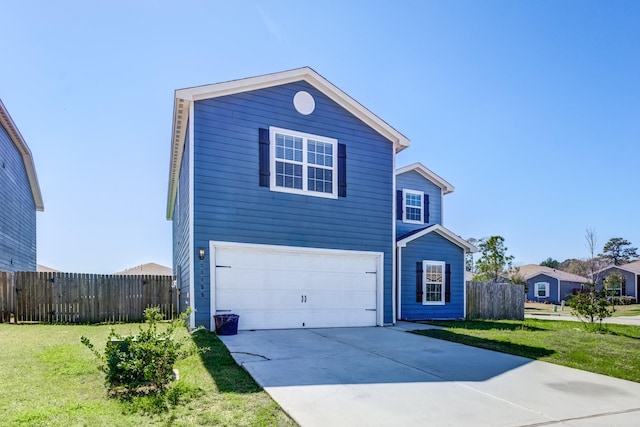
(278, 287)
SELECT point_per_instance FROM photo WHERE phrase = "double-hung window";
(413, 209)
(541, 289)
(433, 282)
(303, 163)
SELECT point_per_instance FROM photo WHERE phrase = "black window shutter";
(342, 170)
(447, 283)
(426, 209)
(419, 281)
(263, 139)
(399, 215)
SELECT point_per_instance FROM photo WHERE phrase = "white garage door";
(276, 287)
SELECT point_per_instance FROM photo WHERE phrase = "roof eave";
(444, 232)
(7, 122)
(183, 98)
(428, 174)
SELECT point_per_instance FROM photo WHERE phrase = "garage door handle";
(371, 272)
(223, 266)
(370, 309)
(303, 298)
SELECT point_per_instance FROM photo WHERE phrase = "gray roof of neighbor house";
(633, 267)
(149, 268)
(14, 134)
(530, 270)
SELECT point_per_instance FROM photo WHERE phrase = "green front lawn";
(616, 352)
(48, 378)
(538, 308)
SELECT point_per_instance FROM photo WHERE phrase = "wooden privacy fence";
(83, 298)
(6, 297)
(495, 301)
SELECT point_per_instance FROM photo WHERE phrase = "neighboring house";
(20, 198)
(430, 258)
(45, 269)
(150, 268)
(545, 284)
(281, 193)
(631, 275)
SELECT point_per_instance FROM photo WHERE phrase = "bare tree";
(591, 243)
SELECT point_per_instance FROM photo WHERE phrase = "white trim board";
(447, 234)
(185, 97)
(428, 174)
(27, 158)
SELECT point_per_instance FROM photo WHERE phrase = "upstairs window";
(413, 206)
(302, 163)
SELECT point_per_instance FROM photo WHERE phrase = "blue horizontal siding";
(412, 180)
(432, 247)
(17, 210)
(231, 206)
(553, 288)
(181, 236)
(629, 278)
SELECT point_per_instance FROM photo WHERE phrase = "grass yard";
(615, 352)
(541, 308)
(48, 378)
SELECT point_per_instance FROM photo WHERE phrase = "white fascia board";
(183, 97)
(299, 74)
(27, 159)
(181, 109)
(437, 228)
(428, 174)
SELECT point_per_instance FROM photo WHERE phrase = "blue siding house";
(630, 278)
(282, 197)
(545, 284)
(20, 198)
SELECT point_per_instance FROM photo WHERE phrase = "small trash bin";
(226, 324)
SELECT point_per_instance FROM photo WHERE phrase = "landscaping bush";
(143, 363)
(591, 307)
(624, 300)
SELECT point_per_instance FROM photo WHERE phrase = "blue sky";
(531, 109)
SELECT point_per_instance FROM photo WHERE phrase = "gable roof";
(530, 270)
(428, 174)
(150, 268)
(14, 134)
(632, 267)
(184, 98)
(435, 228)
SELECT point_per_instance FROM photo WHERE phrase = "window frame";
(406, 191)
(536, 290)
(443, 283)
(305, 163)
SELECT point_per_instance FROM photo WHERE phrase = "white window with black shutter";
(302, 163)
(412, 206)
(433, 282)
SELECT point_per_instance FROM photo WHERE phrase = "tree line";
(495, 264)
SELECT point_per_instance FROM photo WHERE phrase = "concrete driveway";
(386, 376)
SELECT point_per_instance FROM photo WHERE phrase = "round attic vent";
(304, 103)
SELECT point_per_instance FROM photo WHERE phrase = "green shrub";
(591, 307)
(143, 363)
